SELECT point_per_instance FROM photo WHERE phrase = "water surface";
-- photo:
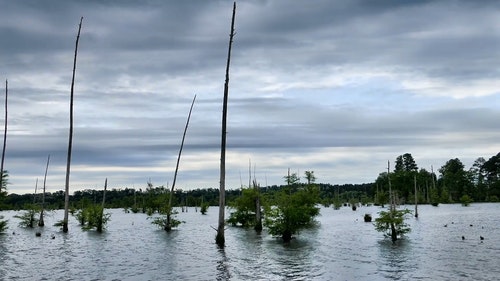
(342, 247)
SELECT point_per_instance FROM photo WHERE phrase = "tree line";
(155, 197)
(481, 182)
(455, 183)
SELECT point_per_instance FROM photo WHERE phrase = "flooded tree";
(292, 208)
(4, 138)
(42, 207)
(248, 206)
(219, 238)
(70, 141)
(92, 215)
(169, 209)
(392, 222)
(3, 173)
(204, 208)
(245, 209)
(28, 216)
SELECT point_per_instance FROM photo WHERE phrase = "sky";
(334, 87)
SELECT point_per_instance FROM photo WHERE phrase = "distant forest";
(155, 197)
(480, 183)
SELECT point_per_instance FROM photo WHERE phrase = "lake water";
(342, 247)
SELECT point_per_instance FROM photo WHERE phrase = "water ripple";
(341, 247)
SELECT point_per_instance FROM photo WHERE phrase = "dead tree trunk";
(219, 238)
(416, 195)
(168, 225)
(100, 224)
(258, 215)
(392, 207)
(70, 142)
(4, 136)
(40, 221)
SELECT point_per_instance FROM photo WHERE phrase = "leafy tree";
(477, 176)
(245, 208)
(162, 221)
(28, 217)
(93, 217)
(381, 197)
(204, 208)
(455, 179)
(465, 200)
(404, 171)
(310, 177)
(293, 209)
(3, 225)
(392, 223)
(492, 174)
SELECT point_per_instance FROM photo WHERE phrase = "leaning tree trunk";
(40, 221)
(219, 238)
(101, 217)
(168, 225)
(70, 143)
(4, 136)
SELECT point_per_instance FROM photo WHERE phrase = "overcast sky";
(335, 87)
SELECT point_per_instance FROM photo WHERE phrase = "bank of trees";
(480, 183)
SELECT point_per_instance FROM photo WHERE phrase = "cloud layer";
(337, 87)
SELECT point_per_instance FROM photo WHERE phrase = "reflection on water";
(222, 267)
(342, 247)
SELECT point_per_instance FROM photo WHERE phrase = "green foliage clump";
(292, 211)
(29, 216)
(245, 208)
(204, 208)
(392, 223)
(3, 224)
(493, 198)
(465, 200)
(93, 216)
(167, 219)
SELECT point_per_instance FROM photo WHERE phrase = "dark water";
(343, 247)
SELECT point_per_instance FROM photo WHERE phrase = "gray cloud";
(336, 87)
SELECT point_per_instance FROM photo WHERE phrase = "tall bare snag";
(168, 225)
(4, 136)
(70, 143)
(219, 239)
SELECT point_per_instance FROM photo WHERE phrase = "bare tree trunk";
(168, 226)
(70, 143)
(258, 216)
(4, 135)
(40, 221)
(220, 239)
(416, 195)
(34, 195)
(394, 235)
(100, 224)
